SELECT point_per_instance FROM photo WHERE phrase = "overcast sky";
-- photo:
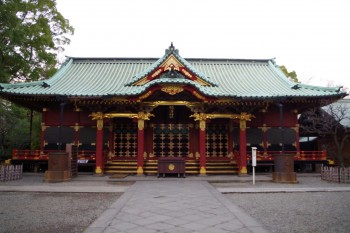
(308, 36)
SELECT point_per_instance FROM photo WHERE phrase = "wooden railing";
(301, 156)
(43, 155)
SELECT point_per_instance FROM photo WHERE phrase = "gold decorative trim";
(139, 170)
(141, 82)
(198, 155)
(98, 170)
(243, 170)
(141, 124)
(199, 96)
(145, 95)
(99, 124)
(203, 171)
(186, 73)
(157, 72)
(172, 90)
(202, 125)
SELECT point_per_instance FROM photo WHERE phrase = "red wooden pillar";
(297, 139)
(202, 146)
(42, 138)
(140, 145)
(76, 134)
(43, 129)
(99, 144)
(243, 147)
(264, 136)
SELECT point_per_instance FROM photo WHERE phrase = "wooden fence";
(11, 172)
(335, 174)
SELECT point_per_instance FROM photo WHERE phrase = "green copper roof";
(236, 78)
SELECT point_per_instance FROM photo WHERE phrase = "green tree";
(291, 75)
(32, 34)
(15, 130)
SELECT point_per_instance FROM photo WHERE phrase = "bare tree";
(331, 121)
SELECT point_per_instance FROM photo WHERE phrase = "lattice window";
(216, 140)
(126, 140)
(171, 140)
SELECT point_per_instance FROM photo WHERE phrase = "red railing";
(91, 155)
(43, 155)
(301, 156)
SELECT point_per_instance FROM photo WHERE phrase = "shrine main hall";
(125, 114)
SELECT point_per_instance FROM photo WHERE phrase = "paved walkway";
(174, 206)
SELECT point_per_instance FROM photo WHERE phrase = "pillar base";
(98, 171)
(203, 171)
(243, 171)
(139, 171)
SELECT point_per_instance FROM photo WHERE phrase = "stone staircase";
(192, 167)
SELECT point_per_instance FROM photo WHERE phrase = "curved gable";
(172, 66)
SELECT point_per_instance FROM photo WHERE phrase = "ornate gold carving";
(144, 115)
(144, 155)
(156, 72)
(96, 115)
(199, 96)
(170, 63)
(162, 103)
(190, 155)
(145, 95)
(172, 90)
(230, 155)
(198, 155)
(186, 73)
(171, 167)
(243, 116)
(199, 116)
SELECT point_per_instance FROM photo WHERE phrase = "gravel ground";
(51, 212)
(298, 212)
(305, 212)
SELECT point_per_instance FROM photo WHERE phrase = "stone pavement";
(174, 206)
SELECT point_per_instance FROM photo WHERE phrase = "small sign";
(254, 156)
(83, 160)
